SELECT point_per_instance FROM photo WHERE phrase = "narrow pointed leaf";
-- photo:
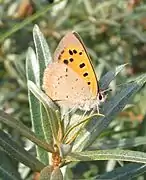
(128, 171)
(8, 167)
(119, 155)
(109, 76)
(42, 48)
(23, 130)
(122, 143)
(33, 74)
(14, 150)
(49, 108)
(41, 96)
(110, 110)
(43, 57)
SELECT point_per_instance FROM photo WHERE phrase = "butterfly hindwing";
(64, 85)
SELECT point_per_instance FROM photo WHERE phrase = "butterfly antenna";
(106, 90)
(66, 117)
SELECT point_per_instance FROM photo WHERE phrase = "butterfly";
(70, 80)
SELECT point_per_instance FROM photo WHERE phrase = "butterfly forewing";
(72, 52)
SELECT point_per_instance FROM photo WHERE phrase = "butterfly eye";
(100, 97)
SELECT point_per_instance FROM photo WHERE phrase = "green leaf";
(23, 130)
(13, 149)
(43, 57)
(36, 109)
(142, 129)
(121, 143)
(73, 130)
(46, 173)
(52, 116)
(51, 173)
(114, 154)
(41, 96)
(109, 76)
(8, 167)
(56, 174)
(128, 171)
(42, 49)
(110, 109)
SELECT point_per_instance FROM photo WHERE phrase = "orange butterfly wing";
(72, 52)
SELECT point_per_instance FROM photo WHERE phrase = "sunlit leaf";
(128, 171)
(110, 110)
(114, 154)
(23, 130)
(13, 149)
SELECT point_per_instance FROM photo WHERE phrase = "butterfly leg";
(65, 115)
(97, 109)
(84, 114)
(91, 112)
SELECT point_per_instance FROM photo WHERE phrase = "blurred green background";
(114, 32)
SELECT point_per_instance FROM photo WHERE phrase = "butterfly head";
(102, 95)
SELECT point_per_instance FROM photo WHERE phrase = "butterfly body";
(70, 79)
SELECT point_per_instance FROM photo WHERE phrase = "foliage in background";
(114, 33)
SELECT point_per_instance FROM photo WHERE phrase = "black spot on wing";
(82, 65)
(65, 61)
(70, 52)
(62, 51)
(85, 74)
(59, 78)
(75, 51)
(59, 57)
(71, 59)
